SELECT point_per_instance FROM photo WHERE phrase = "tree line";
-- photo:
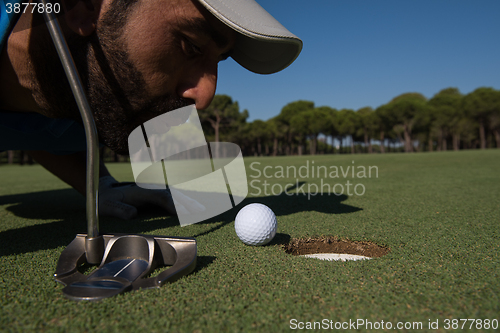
(409, 122)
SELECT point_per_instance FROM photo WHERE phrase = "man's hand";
(122, 199)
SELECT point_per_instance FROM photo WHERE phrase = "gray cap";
(262, 45)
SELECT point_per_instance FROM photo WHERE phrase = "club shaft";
(92, 173)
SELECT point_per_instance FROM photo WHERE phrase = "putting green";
(438, 213)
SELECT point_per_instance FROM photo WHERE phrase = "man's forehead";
(200, 25)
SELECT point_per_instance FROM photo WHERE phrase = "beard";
(114, 87)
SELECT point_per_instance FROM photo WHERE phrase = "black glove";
(122, 199)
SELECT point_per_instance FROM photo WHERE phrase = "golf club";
(125, 261)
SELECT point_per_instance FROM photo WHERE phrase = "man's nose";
(200, 89)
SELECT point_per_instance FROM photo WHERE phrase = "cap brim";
(263, 45)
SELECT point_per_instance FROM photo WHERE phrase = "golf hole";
(333, 248)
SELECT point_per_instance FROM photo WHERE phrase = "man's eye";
(190, 49)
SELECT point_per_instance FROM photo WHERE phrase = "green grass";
(439, 213)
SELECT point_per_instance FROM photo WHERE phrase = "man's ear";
(81, 15)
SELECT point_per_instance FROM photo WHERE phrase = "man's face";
(152, 58)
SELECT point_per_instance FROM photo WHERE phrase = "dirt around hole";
(334, 245)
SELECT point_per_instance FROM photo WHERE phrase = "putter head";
(127, 261)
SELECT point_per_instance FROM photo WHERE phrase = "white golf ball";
(256, 224)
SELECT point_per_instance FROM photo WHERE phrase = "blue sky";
(365, 52)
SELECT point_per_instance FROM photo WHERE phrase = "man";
(137, 59)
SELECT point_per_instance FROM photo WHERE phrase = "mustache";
(156, 107)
